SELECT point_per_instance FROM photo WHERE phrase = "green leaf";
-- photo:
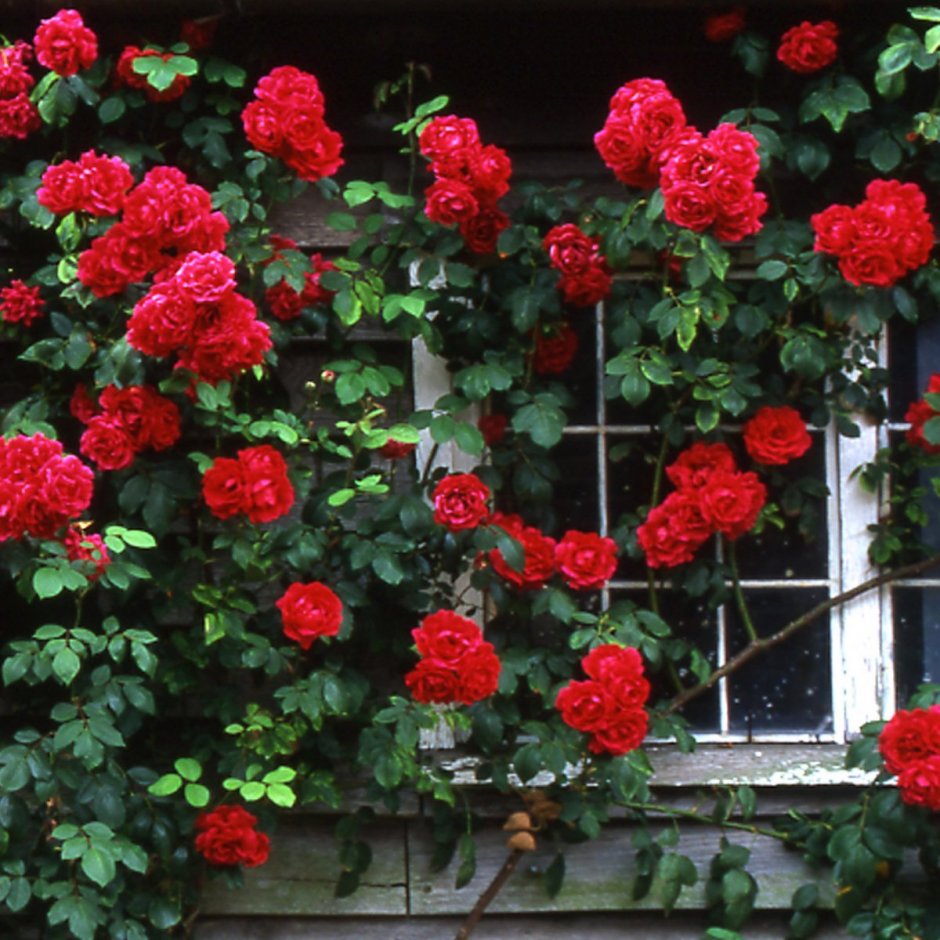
(196, 795)
(98, 865)
(47, 582)
(166, 785)
(66, 665)
(541, 419)
(188, 769)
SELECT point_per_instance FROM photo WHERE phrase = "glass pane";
(576, 490)
(917, 638)
(788, 688)
(909, 345)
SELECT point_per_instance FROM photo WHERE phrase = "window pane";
(917, 638)
(788, 688)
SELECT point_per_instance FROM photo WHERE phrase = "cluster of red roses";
(919, 413)
(470, 178)
(609, 705)
(20, 303)
(887, 235)
(198, 315)
(165, 217)
(94, 184)
(284, 302)
(585, 277)
(456, 665)
(123, 423)
(910, 745)
(254, 482)
(309, 611)
(585, 560)
(226, 835)
(286, 120)
(707, 180)
(64, 45)
(712, 495)
(18, 115)
(41, 488)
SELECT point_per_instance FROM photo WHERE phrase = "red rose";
(447, 134)
(569, 249)
(223, 487)
(690, 205)
(622, 734)
(62, 491)
(64, 44)
(206, 277)
(478, 674)
(460, 501)
(82, 406)
(555, 350)
(834, 229)
(448, 201)
(731, 502)
(127, 76)
(108, 443)
(18, 117)
(697, 463)
(775, 436)
(14, 73)
(227, 836)
(875, 264)
(910, 737)
(720, 27)
(586, 560)
(267, 492)
(809, 47)
(919, 783)
(446, 636)
(674, 531)
(309, 611)
(481, 231)
(198, 34)
(585, 705)
(433, 682)
(539, 554)
(20, 303)
(620, 669)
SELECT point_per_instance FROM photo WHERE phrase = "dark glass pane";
(580, 378)
(629, 485)
(576, 491)
(916, 638)
(788, 688)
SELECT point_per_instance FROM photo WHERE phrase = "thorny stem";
(483, 901)
(759, 645)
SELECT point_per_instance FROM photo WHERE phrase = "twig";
(758, 646)
(483, 901)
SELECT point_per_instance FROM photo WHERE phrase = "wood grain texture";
(496, 927)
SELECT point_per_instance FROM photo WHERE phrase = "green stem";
(738, 592)
(674, 812)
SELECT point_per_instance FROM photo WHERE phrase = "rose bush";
(214, 581)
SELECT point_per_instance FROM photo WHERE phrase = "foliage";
(149, 674)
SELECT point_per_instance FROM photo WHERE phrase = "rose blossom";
(775, 436)
(460, 501)
(538, 553)
(720, 27)
(910, 736)
(433, 682)
(309, 611)
(731, 502)
(107, 443)
(89, 549)
(809, 47)
(64, 44)
(697, 463)
(493, 428)
(267, 493)
(20, 303)
(674, 531)
(226, 836)
(223, 486)
(586, 560)
(446, 636)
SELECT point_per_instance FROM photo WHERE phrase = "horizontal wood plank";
(495, 927)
